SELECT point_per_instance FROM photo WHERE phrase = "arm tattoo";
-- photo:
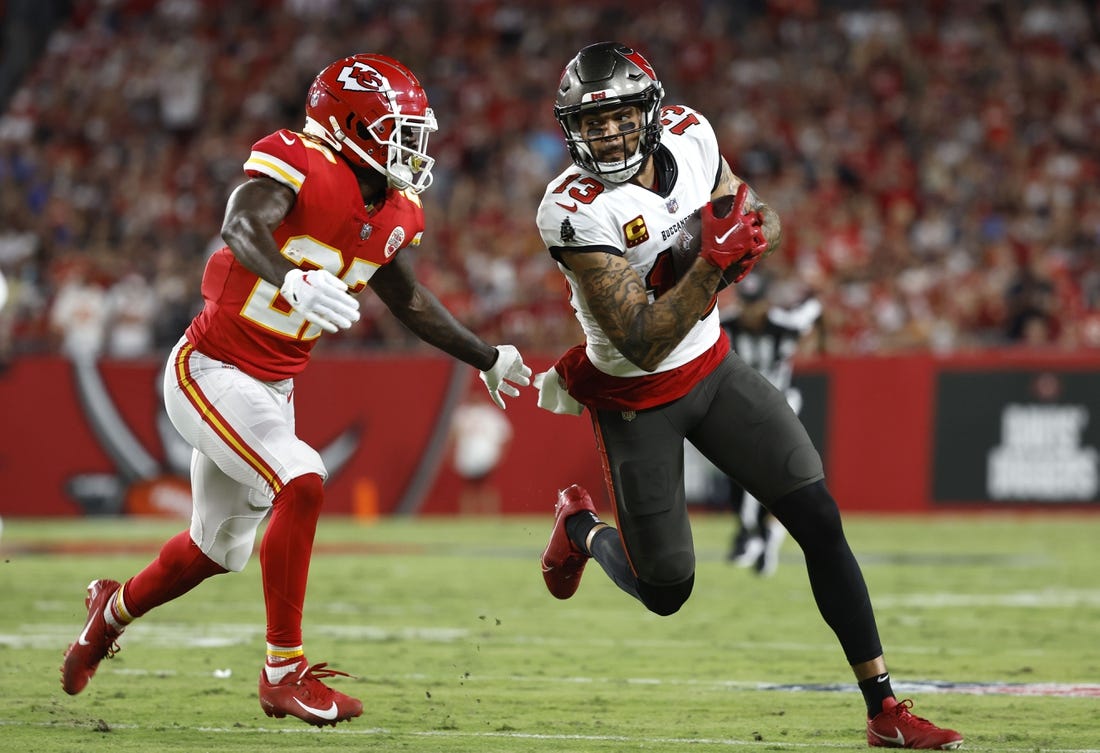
(773, 231)
(644, 332)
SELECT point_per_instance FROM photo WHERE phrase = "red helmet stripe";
(636, 57)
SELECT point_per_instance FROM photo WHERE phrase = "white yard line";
(904, 688)
(352, 731)
(1053, 598)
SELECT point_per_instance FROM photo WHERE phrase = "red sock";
(178, 568)
(284, 557)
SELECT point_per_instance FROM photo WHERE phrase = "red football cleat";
(562, 562)
(896, 727)
(302, 694)
(95, 643)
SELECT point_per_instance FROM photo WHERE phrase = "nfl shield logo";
(672, 206)
(365, 232)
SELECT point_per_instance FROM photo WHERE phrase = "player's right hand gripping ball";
(725, 236)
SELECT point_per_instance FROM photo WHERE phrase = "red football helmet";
(372, 110)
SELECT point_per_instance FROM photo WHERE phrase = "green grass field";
(991, 624)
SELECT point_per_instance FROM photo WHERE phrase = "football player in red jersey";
(656, 368)
(324, 213)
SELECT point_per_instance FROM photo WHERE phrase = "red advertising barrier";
(878, 417)
(993, 429)
(93, 439)
(905, 434)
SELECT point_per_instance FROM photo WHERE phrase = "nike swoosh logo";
(83, 639)
(722, 238)
(288, 142)
(329, 713)
(899, 740)
(567, 207)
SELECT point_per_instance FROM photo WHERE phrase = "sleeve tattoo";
(644, 332)
(772, 228)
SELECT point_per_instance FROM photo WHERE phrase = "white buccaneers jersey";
(581, 211)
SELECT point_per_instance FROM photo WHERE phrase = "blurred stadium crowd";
(935, 164)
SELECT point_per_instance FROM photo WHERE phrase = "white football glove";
(553, 395)
(509, 367)
(321, 297)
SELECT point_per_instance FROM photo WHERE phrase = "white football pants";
(245, 449)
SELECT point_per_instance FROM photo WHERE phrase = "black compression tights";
(607, 549)
(811, 516)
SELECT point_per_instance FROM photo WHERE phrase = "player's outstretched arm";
(418, 309)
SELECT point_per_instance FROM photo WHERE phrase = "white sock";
(113, 603)
(275, 673)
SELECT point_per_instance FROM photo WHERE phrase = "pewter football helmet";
(609, 74)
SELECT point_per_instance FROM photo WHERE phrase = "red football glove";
(735, 239)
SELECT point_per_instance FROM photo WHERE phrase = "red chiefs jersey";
(245, 321)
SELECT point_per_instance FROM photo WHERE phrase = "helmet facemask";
(403, 140)
(648, 132)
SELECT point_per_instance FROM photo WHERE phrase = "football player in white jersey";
(656, 369)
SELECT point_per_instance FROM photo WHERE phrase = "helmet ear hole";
(362, 131)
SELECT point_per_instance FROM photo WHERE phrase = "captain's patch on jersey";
(636, 232)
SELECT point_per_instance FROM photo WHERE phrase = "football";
(687, 246)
